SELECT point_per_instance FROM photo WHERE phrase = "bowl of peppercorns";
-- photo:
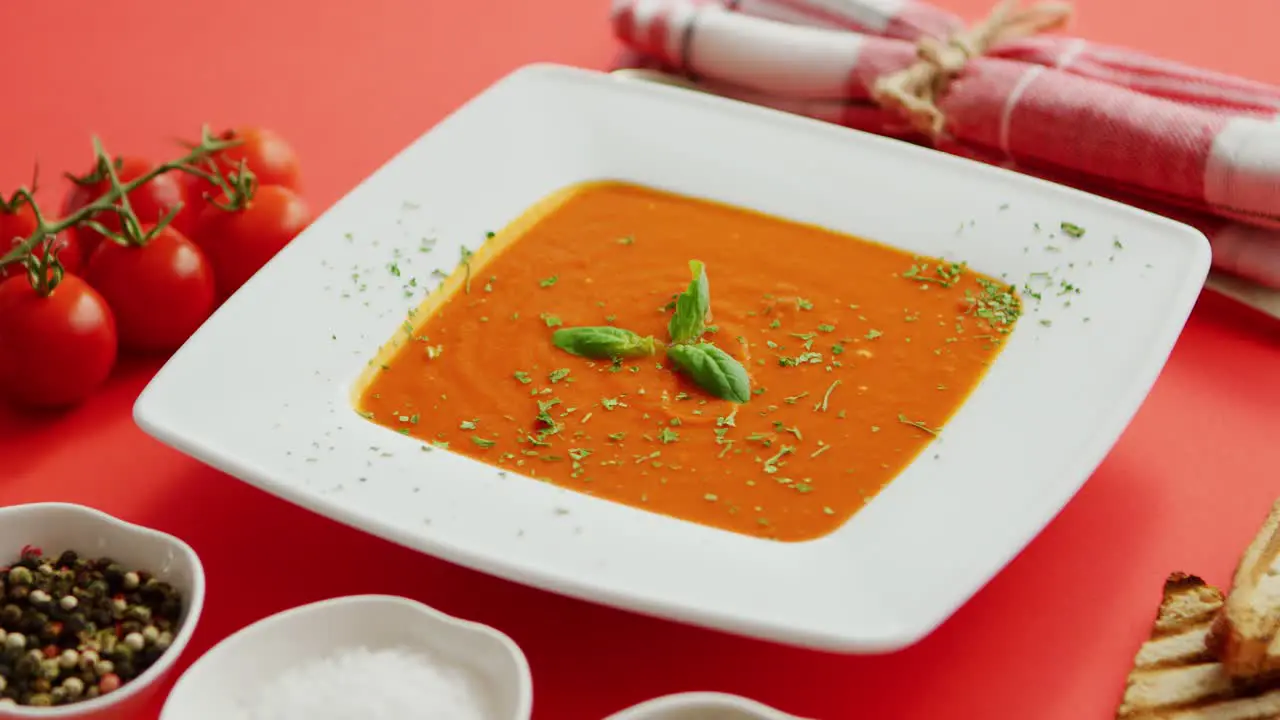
(93, 611)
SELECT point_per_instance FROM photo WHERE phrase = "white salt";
(387, 684)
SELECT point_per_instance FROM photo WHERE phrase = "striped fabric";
(1199, 146)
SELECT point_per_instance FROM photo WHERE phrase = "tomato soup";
(857, 355)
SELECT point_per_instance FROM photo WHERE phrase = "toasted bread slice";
(1250, 644)
(1176, 675)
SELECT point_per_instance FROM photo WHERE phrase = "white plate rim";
(157, 415)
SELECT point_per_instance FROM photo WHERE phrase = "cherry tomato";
(54, 350)
(240, 242)
(150, 202)
(159, 292)
(17, 226)
(264, 152)
(267, 154)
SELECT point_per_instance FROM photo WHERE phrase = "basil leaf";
(700, 287)
(686, 324)
(713, 370)
(603, 343)
(693, 307)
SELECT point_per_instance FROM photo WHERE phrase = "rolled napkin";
(1203, 147)
(914, 21)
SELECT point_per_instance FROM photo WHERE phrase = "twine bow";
(913, 92)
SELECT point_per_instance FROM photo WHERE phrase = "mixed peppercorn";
(72, 629)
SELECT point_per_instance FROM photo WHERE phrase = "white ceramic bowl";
(55, 527)
(250, 659)
(701, 706)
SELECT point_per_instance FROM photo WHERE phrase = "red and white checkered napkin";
(1200, 146)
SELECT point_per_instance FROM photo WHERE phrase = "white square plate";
(263, 391)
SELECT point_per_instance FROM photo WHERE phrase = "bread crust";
(1246, 634)
(1176, 673)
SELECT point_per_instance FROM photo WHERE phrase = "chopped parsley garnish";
(771, 465)
(822, 406)
(804, 358)
(468, 425)
(556, 376)
(650, 456)
(667, 435)
(916, 424)
(997, 305)
(551, 320)
(944, 274)
(482, 442)
(466, 263)
(793, 430)
(807, 338)
(1072, 230)
(873, 334)
(544, 417)
(523, 377)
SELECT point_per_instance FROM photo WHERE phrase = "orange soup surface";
(857, 354)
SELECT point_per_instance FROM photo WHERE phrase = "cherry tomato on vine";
(150, 202)
(160, 292)
(267, 155)
(57, 349)
(239, 242)
(17, 225)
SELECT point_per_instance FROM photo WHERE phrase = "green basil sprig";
(713, 370)
(693, 307)
(604, 343)
(709, 367)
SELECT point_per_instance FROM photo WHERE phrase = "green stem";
(21, 195)
(45, 272)
(130, 231)
(107, 202)
(239, 187)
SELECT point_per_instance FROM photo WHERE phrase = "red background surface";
(1051, 637)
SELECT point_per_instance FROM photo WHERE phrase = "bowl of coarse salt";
(373, 657)
(701, 706)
